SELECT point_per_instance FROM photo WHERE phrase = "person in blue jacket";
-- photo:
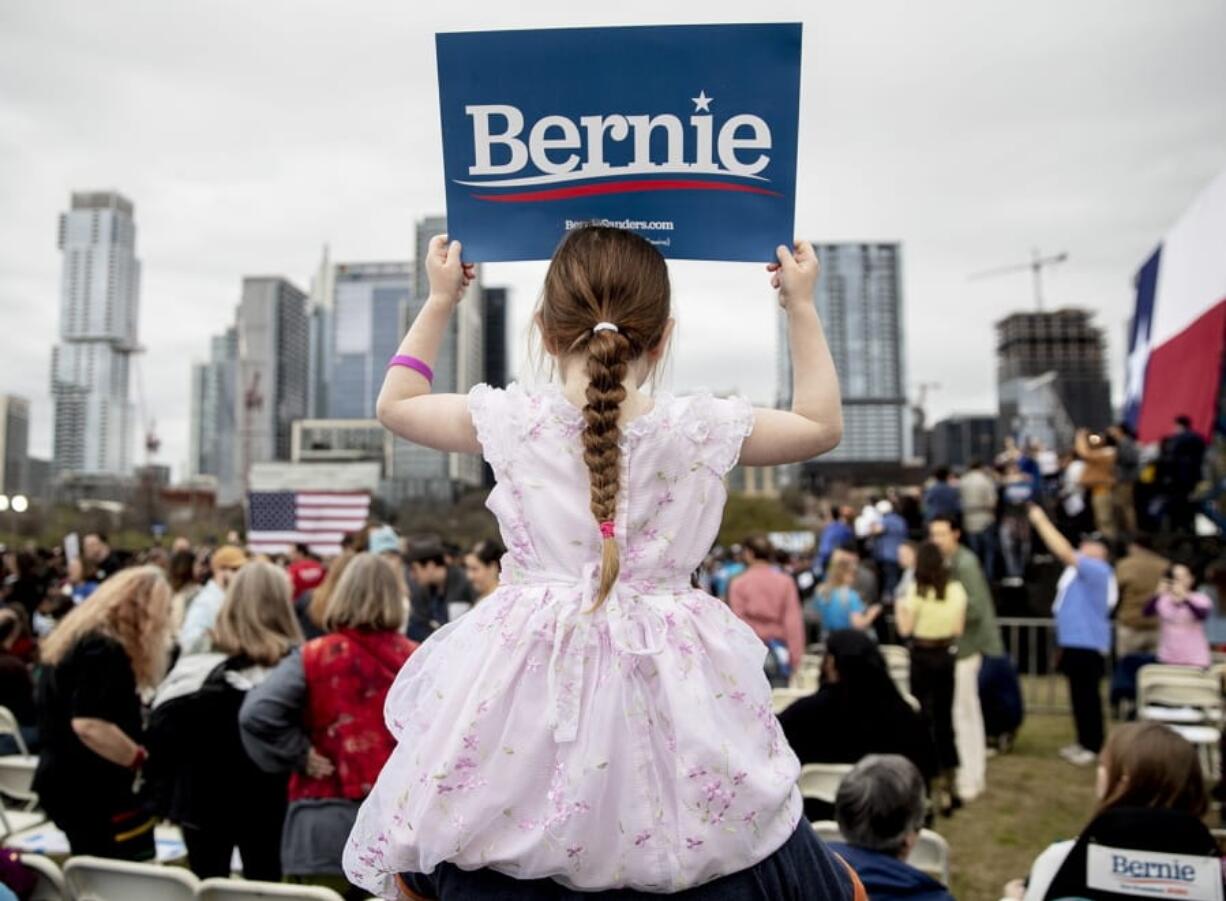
(836, 534)
(880, 810)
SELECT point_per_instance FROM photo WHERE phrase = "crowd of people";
(222, 677)
(407, 719)
(246, 692)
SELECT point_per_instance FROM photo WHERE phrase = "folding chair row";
(101, 879)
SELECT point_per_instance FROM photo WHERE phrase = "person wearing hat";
(196, 635)
(1086, 595)
(383, 541)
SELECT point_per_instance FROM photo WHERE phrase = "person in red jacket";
(319, 715)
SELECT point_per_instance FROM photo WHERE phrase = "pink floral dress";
(630, 747)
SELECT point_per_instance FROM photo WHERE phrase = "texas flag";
(1179, 328)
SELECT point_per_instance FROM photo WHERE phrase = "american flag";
(277, 520)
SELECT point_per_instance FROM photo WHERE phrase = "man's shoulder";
(888, 877)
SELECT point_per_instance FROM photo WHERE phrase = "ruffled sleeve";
(718, 426)
(487, 406)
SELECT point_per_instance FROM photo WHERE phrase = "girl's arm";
(405, 405)
(867, 618)
(814, 425)
(904, 619)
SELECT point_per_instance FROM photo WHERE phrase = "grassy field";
(1033, 798)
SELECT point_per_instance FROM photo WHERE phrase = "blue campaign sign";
(684, 133)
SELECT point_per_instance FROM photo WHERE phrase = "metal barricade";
(1030, 643)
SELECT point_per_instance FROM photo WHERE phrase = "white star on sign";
(702, 103)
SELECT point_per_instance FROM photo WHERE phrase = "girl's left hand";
(449, 276)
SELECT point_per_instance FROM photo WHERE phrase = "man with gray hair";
(880, 809)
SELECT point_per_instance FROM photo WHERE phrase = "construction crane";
(152, 442)
(1036, 264)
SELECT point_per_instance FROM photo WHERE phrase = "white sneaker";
(1070, 751)
(1086, 758)
(1080, 757)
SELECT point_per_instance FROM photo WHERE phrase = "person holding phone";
(1181, 613)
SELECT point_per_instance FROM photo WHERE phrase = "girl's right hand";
(795, 274)
(449, 276)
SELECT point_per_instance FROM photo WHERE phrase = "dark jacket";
(198, 773)
(428, 606)
(887, 878)
(830, 726)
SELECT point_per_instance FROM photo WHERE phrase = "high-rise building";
(859, 298)
(213, 407)
(99, 308)
(368, 299)
(14, 444)
(319, 372)
(494, 319)
(1063, 342)
(271, 390)
(956, 441)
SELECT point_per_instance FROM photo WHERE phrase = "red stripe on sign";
(625, 187)
(1183, 377)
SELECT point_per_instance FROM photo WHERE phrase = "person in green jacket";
(980, 638)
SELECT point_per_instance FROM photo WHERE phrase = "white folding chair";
(1181, 688)
(898, 662)
(10, 726)
(100, 879)
(1207, 739)
(13, 821)
(51, 885)
(17, 778)
(242, 890)
(820, 781)
(782, 698)
(931, 854)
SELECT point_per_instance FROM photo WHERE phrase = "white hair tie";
(604, 327)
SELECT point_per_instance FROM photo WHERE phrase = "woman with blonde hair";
(319, 716)
(837, 603)
(96, 662)
(200, 775)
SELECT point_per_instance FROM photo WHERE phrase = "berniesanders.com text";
(633, 224)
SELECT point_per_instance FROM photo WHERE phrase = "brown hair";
(1151, 765)
(257, 618)
(317, 610)
(600, 274)
(133, 608)
(930, 571)
(370, 595)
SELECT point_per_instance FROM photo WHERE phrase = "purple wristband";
(412, 363)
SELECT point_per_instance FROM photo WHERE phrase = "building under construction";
(1065, 343)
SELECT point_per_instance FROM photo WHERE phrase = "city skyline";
(1085, 130)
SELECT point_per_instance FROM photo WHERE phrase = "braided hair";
(604, 275)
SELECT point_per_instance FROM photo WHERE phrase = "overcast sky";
(248, 134)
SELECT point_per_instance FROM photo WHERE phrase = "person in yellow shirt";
(933, 615)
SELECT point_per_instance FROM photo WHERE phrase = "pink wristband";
(412, 363)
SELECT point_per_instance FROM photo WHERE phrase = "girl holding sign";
(595, 721)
